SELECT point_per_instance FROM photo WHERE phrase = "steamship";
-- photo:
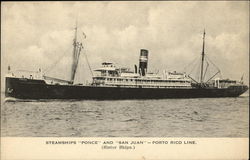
(111, 82)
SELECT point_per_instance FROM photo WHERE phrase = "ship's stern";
(244, 89)
(237, 90)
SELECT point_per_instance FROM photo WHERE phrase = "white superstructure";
(110, 75)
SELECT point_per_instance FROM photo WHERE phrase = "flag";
(241, 79)
(84, 35)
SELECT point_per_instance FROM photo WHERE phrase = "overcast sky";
(36, 34)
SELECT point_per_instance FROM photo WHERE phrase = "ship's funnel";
(143, 62)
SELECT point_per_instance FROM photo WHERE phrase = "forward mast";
(77, 47)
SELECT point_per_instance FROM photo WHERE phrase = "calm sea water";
(205, 117)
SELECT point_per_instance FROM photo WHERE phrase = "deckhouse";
(109, 75)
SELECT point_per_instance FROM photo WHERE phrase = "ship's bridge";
(107, 69)
(107, 66)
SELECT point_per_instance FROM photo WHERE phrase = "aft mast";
(202, 57)
(201, 82)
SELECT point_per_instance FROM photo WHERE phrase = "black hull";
(38, 89)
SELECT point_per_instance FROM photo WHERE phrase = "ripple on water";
(147, 118)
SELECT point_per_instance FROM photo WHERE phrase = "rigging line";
(194, 66)
(198, 72)
(190, 63)
(86, 57)
(213, 63)
(54, 64)
(213, 76)
(205, 69)
(220, 75)
(218, 70)
(88, 63)
(192, 78)
(215, 67)
(77, 57)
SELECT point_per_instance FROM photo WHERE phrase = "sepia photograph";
(125, 69)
